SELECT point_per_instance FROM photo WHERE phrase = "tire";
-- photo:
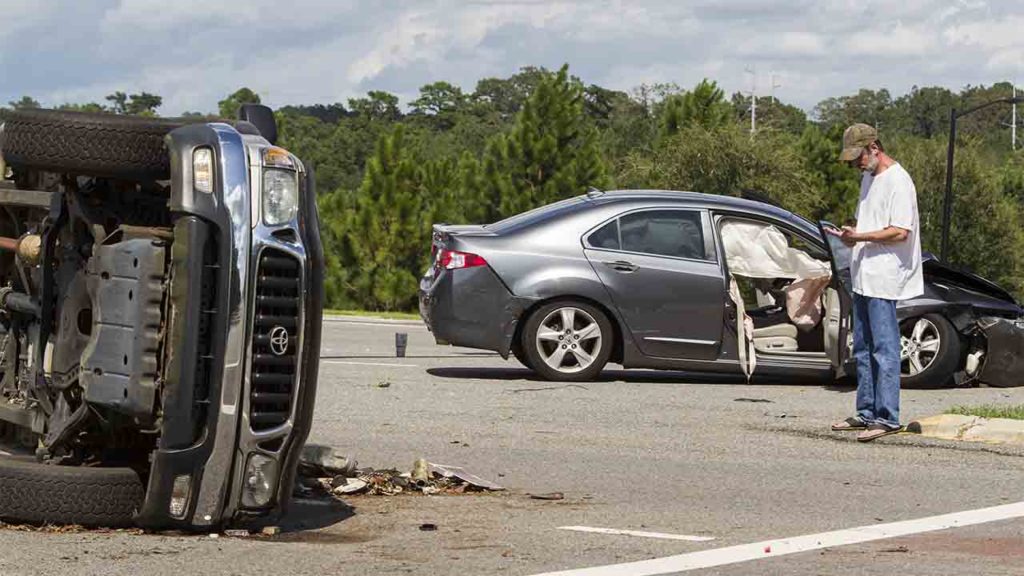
(130, 147)
(517, 351)
(42, 494)
(596, 343)
(939, 366)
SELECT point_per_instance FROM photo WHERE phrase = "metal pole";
(947, 205)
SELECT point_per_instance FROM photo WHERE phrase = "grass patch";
(370, 314)
(990, 411)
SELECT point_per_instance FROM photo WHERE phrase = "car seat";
(776, 338)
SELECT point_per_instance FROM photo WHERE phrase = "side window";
(606, 236)
(676, 233)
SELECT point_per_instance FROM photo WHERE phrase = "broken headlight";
(259, 481)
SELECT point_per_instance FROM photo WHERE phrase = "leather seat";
(777, 337)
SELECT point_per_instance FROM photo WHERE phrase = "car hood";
(937, 271)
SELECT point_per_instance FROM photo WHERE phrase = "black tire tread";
(44, 494)
(88, 143)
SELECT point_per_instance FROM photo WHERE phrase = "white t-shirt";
(888, 270)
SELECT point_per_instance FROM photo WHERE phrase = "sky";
(195, 52)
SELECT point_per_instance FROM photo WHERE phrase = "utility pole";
(774, 85)
(753, 101)
(1013, 121)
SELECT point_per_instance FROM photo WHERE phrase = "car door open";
(839, 303)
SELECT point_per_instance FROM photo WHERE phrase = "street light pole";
(947, 204)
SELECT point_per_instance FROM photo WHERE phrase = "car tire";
(541, 348)
(517, 351)
(939, 366)
(37, 493)
(89, 144)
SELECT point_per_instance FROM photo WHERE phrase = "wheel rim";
(568, 340)
(919, 347)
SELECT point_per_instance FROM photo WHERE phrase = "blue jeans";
(876, 349)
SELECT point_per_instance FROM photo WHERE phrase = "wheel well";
(616, 329)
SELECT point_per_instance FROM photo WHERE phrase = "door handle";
(621, 266)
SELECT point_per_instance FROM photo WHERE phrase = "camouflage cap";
(855, 139)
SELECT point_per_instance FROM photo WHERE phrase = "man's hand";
(848, 235)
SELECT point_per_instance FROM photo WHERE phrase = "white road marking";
(781, 547)
(639, 533)
(370, 364)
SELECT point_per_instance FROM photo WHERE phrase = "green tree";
(383, 231)
(726, 161)
(986, 225)
(24, 103)
(143, 103)
(772, 114)
(868, 106)
(838, 184)
(924, 111)
(550, 154)
(88, 107)
(228, 107)
(377, 105)
(704, 106)
(507, 95)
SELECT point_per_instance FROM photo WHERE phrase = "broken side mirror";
(262, 117)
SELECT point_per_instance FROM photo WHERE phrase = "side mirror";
(262, 117)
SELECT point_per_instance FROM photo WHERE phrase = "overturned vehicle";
(687, 281)
(160, 306)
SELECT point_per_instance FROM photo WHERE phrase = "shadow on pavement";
(633, 376)
(314, 514)
(392, 356)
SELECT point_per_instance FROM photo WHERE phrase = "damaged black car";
(160, 306)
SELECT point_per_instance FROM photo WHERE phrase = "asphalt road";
(646, 451)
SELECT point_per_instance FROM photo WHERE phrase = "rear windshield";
(537, 215)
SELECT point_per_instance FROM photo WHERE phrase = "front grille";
(275, 339)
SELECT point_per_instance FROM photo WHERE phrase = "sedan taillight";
(453, 260)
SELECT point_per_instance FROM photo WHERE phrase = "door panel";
(673, 308)
(839, 254)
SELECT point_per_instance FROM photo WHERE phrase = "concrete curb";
(970, 429)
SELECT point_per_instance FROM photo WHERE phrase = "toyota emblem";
(279, 340)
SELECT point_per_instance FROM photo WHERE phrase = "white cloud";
(195, 52)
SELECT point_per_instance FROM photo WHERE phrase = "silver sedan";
(687, 281)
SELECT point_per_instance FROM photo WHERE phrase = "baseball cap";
(855, 139)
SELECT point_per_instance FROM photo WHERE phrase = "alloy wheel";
(568, 339)
(919, 348)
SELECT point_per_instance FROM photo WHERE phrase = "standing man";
(885, 267)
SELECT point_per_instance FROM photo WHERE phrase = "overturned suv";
(160, 306)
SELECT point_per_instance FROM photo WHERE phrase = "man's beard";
(872, 164)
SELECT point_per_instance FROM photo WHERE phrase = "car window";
(676, 233)
(606, 236)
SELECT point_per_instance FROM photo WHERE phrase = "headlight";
(259, 482)
(280, 196)
(202, 170)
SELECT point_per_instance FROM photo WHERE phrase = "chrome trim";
(235, 188)
(682, 341)
(263, 238)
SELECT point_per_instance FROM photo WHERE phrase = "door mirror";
(262, 117)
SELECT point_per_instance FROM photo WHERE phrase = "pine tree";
(384, 230)
(550, 154)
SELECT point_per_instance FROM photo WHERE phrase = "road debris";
(548, 496)
(237, 533)
(318, 461)
(270, 530)
(517, 390)
(425, 477)
(765, 400)
(428, 527)
(401, 341)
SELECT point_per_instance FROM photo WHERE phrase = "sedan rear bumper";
(470, 307)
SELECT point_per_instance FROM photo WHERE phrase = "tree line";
(385, 174)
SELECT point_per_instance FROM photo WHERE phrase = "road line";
(370, 364)
(639, 533)
(781, 547)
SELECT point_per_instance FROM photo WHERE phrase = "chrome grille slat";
(273, 371)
